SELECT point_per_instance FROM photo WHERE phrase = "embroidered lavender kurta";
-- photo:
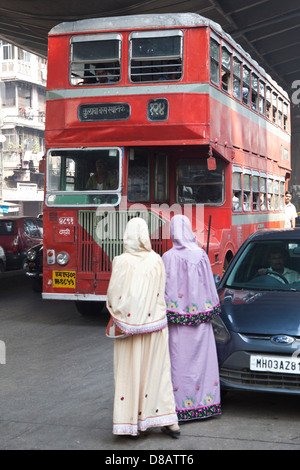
(142, 371)
(192, 302)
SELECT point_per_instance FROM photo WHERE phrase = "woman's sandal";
(170, 432)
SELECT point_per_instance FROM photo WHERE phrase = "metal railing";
(100, 237)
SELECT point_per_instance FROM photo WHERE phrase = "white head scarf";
(135, 295)
(136, 237)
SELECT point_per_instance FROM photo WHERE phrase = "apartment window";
(95, 59)
(156, 56)
(237, 78)
(215, 62)
(10, 94)
(246, 85)
(7, 51)
(226, 70)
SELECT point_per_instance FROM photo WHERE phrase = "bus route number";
(158, 109)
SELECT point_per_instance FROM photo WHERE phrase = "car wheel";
(89, 308)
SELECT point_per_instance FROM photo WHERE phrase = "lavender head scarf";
(190, 294)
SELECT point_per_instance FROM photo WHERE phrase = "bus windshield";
(84, 176)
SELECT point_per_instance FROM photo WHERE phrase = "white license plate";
(281, 365)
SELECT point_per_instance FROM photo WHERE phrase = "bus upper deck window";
(156, 56)
(95, 59)
(237, 78)
(268, 103)
(280, 106)
(285, 116)
(274, 107)
(215, 62)
(254, 92)
(246, 85)
(262, 105)
(226, 70)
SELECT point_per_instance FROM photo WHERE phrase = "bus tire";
(89, 308)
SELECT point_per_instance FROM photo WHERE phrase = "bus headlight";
(62, 258)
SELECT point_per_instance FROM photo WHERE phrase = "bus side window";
(226, 70)
(263, 191)
(138, 176)
(246, 192)
(156, 56)
(255, 193)
(237, 191)
(246, 85)
(237, 78)
(268, 102)
(262, 98)
(161, 177)
(254, 92)
(214, 62)
(270, 194)
(95, 59)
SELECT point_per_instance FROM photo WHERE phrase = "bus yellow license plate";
(64, 279)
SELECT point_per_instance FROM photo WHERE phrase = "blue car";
(258, 331)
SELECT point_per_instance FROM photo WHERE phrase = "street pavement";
(56, 390)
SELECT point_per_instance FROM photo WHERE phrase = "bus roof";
(165, 20)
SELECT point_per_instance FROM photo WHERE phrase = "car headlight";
(31, 255)
(220, 331)
(62, 258)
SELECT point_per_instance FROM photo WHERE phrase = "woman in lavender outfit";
(192, 301)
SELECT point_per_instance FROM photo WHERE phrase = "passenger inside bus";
(102, 179)
(102, 73)
(235, 202)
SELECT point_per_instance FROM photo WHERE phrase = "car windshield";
(267, 265)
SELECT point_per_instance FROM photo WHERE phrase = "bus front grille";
(100, 237)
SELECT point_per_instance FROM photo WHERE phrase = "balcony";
(32, 72)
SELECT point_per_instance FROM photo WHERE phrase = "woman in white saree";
(142, 373)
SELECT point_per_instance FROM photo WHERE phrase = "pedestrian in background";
(290, 211)
(142, 372)
(192, 302)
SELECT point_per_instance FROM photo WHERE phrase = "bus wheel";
(89, 308)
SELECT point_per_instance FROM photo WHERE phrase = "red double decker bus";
(150, 115)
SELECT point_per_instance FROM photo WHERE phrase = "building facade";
(22, 130)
